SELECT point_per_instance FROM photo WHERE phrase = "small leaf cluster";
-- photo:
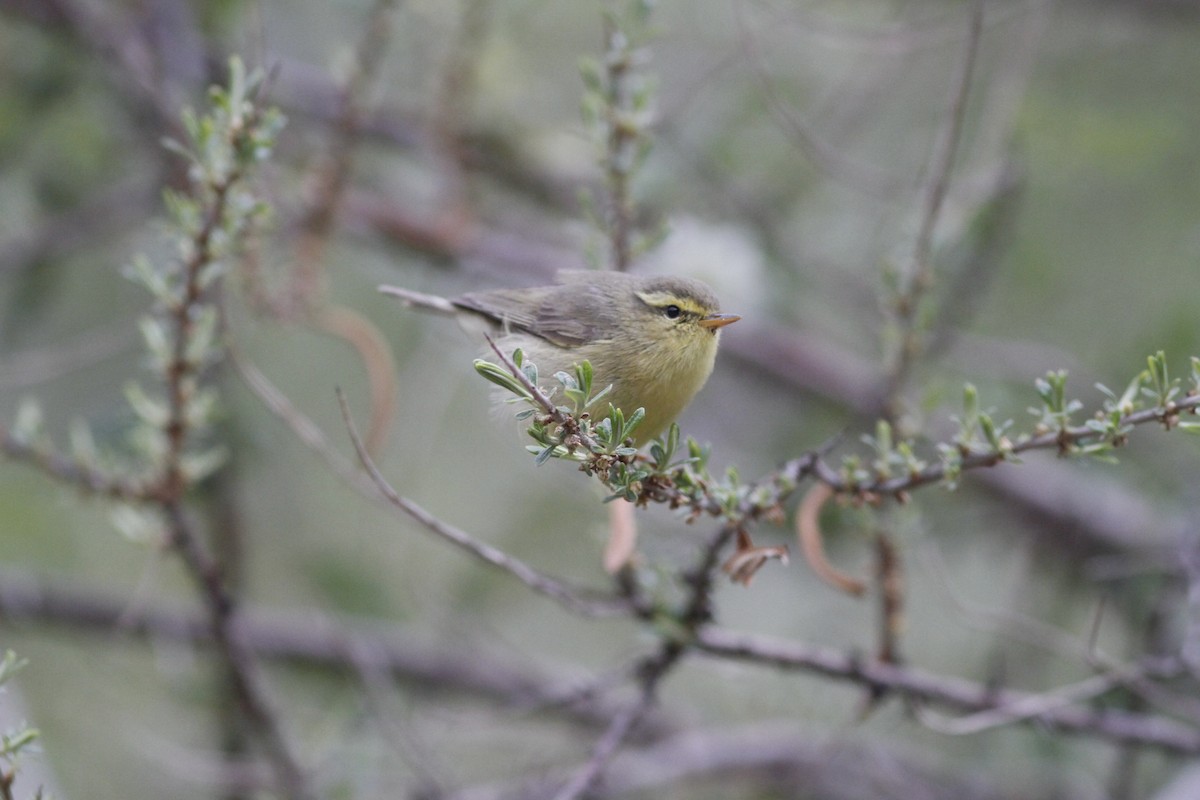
(1153, 389)
(891, 458)
(209, 223)
(618, 110)
(20, 739)
(978, 432)
(1150, 395)
(673, 472)
(618, 99)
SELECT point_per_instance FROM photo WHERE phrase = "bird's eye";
(673, 311)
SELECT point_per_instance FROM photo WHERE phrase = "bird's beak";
(714, 321)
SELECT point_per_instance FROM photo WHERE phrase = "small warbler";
(653, 338)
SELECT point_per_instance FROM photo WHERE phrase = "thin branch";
(69, 471)
(313, 638)
(957, 693)
(375, 486)
(828, 158)
(763, 755)
(947, 150)
(585, 604)
(976, 459)
(919, 277)
(651, 672)
(245, 681)
(331, 177)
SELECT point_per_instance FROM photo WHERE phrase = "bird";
(653, 338)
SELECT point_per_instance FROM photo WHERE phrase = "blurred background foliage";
(791, 142)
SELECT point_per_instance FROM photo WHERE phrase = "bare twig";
(70, 472)
(332, 175)
(826, 157)
(776, 753)
(918, 277)
(651, 672)
(952, 692)
(586, 604)
(375, 486)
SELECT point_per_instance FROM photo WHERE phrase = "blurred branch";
(650, 672)
(828, 158)
(456, 93)
(956, 693)
(32, 366)
(72, 472)
(917, 278)
(778, 756)
(306, 293)
(331, 175)
(157, 57)
(510, 250)
(618, 108)
(313, 638)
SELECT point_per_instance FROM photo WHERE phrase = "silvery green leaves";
(172, 440)
(20, 738)
(603, 444)
(567, 430)
(618, 113)
(977, 433)
(1150, 396)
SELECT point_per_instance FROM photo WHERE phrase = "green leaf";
(598, 396)
(584, 375)
(11, 665)
(198, 466)
(501, 377)
(152, 411)
(530, 370)
(635, 419)
(83, 444)
(139, 525)
(30, 424)
(568, 381)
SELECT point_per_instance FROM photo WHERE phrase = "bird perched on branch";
(653, 338)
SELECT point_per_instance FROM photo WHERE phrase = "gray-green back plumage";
(568, 317)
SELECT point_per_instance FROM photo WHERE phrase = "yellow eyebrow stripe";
(664, 299)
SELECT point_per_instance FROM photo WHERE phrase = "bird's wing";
(561, 314)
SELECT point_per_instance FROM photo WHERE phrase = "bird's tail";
(425, 302)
